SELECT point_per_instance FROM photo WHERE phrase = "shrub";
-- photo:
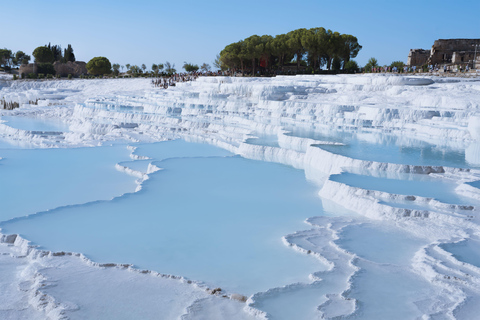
(45, 68)
(49, 76)
(99, 65)
(41, 76)
(70, 76)
(43, 54)
(58, 76)
(32, 76)
(351, 66)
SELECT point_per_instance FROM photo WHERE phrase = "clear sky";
(155, 31)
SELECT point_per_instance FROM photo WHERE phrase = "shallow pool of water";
(35, 180)
(391, 149)
(380, 243)
(35, 124)
(212, 218)
(413, 184)
(466, 251)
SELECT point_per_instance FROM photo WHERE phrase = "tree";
(336, 63)
(348, 47)
(68, 54)
(255, 48)
(217, 63)
(372, 63)
(43, 54)
(398, 64)
(334, 47)
(134, 69)
(99, 65)
(57, 52)
(320, 47)
(205, 67)
(127, 66)
(45, 68)
(169, 68)
(315, 41)
(351, 66)
(156, 68)
(6, 58)
(233, 56)
(279, 49)
(21, 58)
(190, 67)
(144, 67)
(116, 68)
(294, 43)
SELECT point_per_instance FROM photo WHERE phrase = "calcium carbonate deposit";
(294, 197)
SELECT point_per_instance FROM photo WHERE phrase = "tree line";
(8, 59)
(313, 49)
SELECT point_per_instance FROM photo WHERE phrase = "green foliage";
(6, 58)
(294, 44)
(157, 68)
(190, 67)
(45, 68)
(41, 76)
(68, 54)
(135, 70)
(43, 54)
(336, 63)
(32, 76)
(56, 52)
(144, 67)
(116, 69)
(22, 75)
(372, 63)
(21, 58)
(398, 64)
(99, 65)
(15, 77)
(170, 68)
(320, 47)
(70, 76)
(217, 63)
(49, 76)
(205, 67)
(351, 66)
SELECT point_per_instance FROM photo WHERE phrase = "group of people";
(170, 81)
(413, 69)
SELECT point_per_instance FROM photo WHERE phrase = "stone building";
(418, 57)
(76, 68)
(447, 52)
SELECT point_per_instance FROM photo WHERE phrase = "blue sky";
(147, 31)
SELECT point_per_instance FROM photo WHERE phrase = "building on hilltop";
(447, 52)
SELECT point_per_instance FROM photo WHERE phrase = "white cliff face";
(323, 125)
